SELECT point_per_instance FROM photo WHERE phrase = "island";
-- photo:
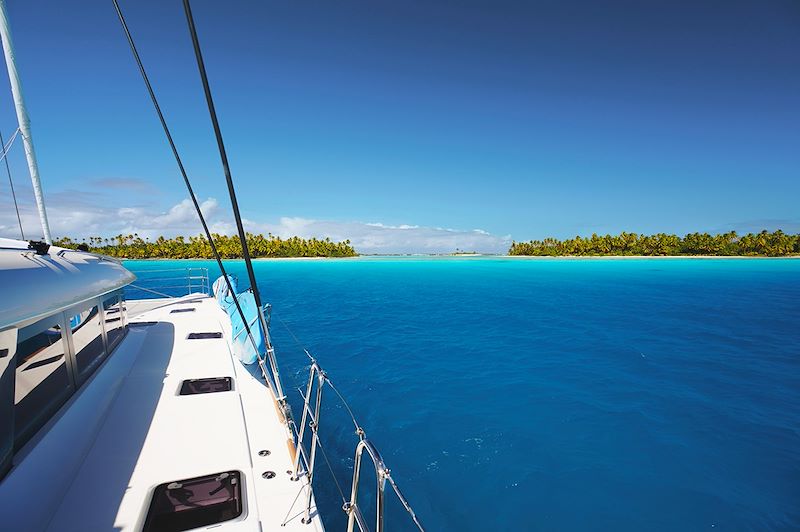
(765, 243)
(133, 246)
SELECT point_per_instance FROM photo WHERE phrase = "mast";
(22, 118)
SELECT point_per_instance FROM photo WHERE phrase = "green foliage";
(775, 244)
(197, 247)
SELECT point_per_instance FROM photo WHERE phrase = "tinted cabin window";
(87, 339)
(115, 320)
(42, 383)
(8, 346)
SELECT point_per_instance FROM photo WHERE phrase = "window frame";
(74, 377)
(78, 377)
(123, 320)
(42, 418)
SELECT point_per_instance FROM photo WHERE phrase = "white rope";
(11, 181)
(8, 144)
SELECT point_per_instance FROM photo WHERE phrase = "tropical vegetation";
(775, 244)
(197, 247)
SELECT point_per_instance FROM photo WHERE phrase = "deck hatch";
(209, 385)
(195, 502)
(179, 310)
(204, 335)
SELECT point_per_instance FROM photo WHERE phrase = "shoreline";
(254, 259)
(658, 257)
(490, 256)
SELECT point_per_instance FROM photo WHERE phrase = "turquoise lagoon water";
(513, 394)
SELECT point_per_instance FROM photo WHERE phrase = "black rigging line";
(223, 155)
(11, 184)
(185, 177)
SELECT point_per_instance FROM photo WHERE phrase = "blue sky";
(408, 126)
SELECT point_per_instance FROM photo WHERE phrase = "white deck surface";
(127, 430)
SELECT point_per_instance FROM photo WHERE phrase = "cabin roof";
(34, 286)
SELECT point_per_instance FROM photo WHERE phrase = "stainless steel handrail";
(190, 280)
(304, 462)
(313, 425)
(351, 507)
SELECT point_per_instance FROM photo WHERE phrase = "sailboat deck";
(129, 430)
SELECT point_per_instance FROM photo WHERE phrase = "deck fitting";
(208, 385)
(204, 335)
(268, 474)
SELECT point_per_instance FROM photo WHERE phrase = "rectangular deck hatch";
(204, 335)
(195, 502)
(178, 310)
(209, 385)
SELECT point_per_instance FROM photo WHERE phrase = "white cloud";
(81, 218)
(375, 237)
(83, 214)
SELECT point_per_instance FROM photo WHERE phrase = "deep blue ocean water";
(554, 394)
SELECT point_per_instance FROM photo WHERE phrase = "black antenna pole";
(223, 155)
